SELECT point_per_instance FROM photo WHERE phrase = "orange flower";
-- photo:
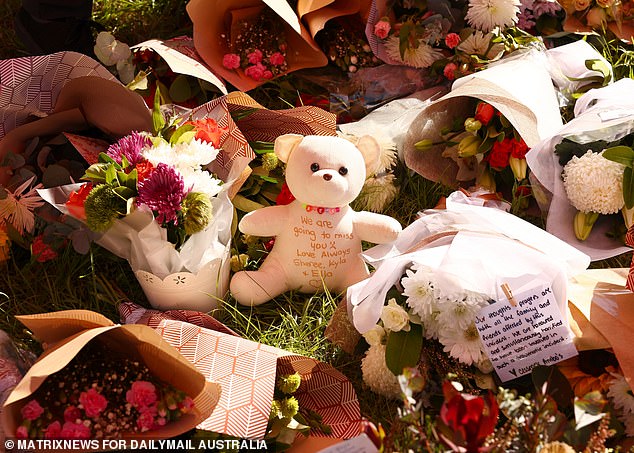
(76, 199)
(5, 243)
(207, 130)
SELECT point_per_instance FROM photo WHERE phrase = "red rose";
(32, 410)
(76, 199)
(41, 251)
(94, 402)
(498, 157)
(484, 112)
(285, 196)
(519, 149)
(468, 419)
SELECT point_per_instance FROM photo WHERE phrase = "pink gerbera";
(163, 191)
(131, 147)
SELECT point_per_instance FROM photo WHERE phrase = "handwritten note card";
(518, 338)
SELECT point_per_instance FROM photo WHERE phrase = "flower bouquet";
(586, 16)
(251, 43)
(585, 171)
(105, 381)
(519, 88)
(432, 300)
(152, 201)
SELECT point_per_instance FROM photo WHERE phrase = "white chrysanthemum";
(195, 153)
(594, 183)
(421, 292)
(621, 394)
(485, 15)
(462, 344)
(16, 208)
(421, 57)
(478, 44)
(201, 181)
(461, 312)
(377, 375)
(161, 152)
(377, 193)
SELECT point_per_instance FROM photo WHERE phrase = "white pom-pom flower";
(594, 183)
(377, 375)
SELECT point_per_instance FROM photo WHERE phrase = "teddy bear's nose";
(327, 176)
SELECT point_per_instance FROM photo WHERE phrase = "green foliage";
(403, 349)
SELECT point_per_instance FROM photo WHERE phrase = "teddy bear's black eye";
(314, 167)
(343, 171)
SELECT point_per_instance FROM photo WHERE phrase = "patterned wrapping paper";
(246, 372)
(29, 86)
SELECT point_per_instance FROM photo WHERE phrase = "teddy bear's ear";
(285, 144)
(371, 152)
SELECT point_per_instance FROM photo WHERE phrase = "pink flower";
(452, 40)
(42, 251)
(255, 57)
(267, 75)
(162, 192)
(256, 72)
(382, 29)
(277, 59)
(22, 432)
(186, 405)
(131, 147)
(72, 430)
(450, 71)
(32, 410)
(53, 431)
(145, 422)
(71, 414)
(94, 402)
(231, 61)
(142, 394)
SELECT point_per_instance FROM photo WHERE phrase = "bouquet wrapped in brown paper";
(249, 43)
(163, 385)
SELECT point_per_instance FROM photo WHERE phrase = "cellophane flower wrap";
(426, 282)
(568, 165)
(155, 201)
(101, 380)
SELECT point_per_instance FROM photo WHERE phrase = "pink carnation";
(145, 422)
(186, 405)
(452, 40)
(72, 430)
(255, 57)
(382, 29)
(142, 394)
(450, 71)
(53, 431)
(22, 432)
(277, 59)
(267, 75)
(231, 61)
(32, 410)
(256, 72)
(71, 414)
(94, 402)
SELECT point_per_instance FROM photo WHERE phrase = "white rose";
(394, 317)
(375, 335)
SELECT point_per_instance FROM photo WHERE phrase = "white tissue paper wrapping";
(601, 114)
(479, 246)
(156, 262)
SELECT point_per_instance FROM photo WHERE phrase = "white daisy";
(462, 344)
(478, 44)
(16, 208)
(421, 57)
(377, 375)
(461, 312)
(485, 15)
(201, 181)
(420, 290)
(621, 394)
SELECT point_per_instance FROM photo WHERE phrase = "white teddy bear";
(317, 236)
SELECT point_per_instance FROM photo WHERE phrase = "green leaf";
(628, 188)
(588, 409)
(55, 175)
(268, 179)
(621, 154)
(124, 192)
(600, 66)
(140, 82)
(111, 174)
(403, 349)
(158, 122)
(185, 137)
(96, 173)
(180, 132)
(180, 90)
(131, 180)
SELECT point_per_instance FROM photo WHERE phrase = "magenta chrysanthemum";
(163, 192)
(130, 146)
